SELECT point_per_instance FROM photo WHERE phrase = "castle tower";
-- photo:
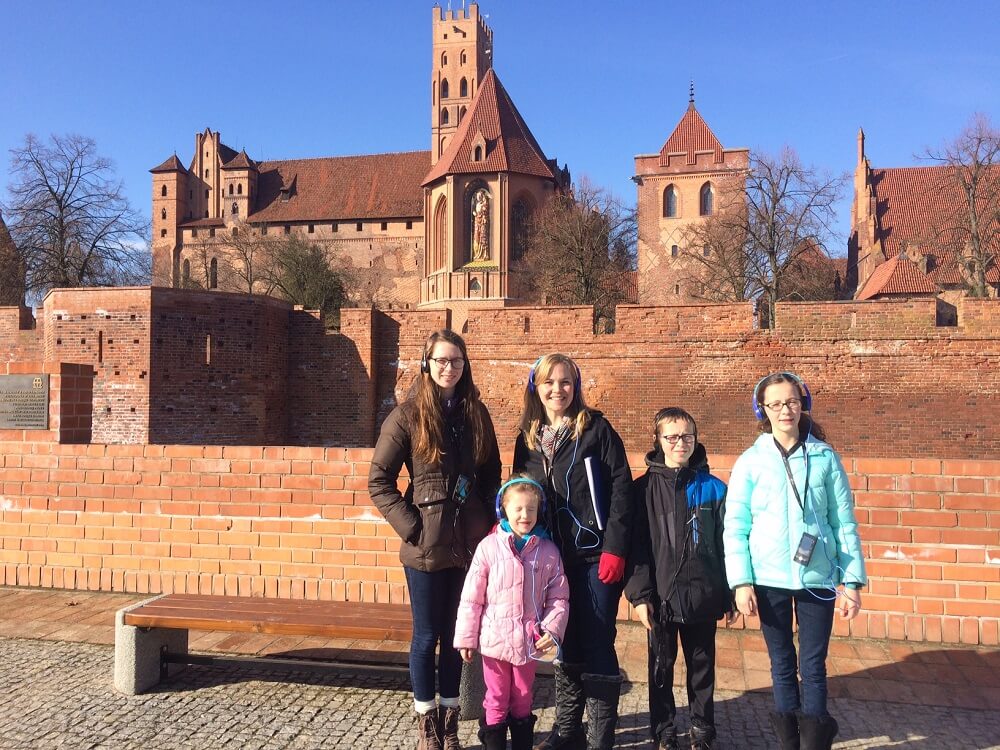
(239, 187)
(679, 187)
(462, 53)
(171, 207)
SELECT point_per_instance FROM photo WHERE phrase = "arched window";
(440, 256)
(444, 88)
(213, 274)
(464, 58)
(670, 202)
(239, 189)
(187, 270)
(236, 209)
(520, 221)
(461, 114)
(706, 199)
(207, 173)
(674, 251)
(444, 59)
(478, 154)
(444, 115)
(163, 191)
(463, 88)
(231, 188)
(163, 214)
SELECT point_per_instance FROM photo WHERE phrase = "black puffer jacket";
(437, 532)
(570, 511)
(677, 565)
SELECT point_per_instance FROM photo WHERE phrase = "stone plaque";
(24, 402)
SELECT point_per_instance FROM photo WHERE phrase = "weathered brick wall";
(71, 395)
(19, 339)
(297, 522)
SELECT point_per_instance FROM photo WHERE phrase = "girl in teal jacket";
(791, 545)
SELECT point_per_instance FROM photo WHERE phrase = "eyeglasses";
(687, 437)
(456, 364)
(793, 404)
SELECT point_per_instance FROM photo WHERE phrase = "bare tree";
(761, 235)
(970, 227)
(70, 218)
(249, 260)
(580, 247)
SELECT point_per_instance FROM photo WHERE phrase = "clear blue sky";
(597, 82)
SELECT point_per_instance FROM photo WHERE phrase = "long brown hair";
(533, 415)
(428, 439)
(807, 425)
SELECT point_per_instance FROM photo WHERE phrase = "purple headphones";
(531, 376)
(806, 396)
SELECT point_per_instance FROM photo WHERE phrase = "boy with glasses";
(677, 581)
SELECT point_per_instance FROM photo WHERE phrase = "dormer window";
(478, 154)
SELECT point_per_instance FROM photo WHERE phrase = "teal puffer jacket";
(764, 523)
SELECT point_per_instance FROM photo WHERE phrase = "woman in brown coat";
(444, 436)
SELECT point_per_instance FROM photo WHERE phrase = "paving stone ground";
(59, 694)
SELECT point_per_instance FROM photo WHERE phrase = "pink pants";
(508, 689)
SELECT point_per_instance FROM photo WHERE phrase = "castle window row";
(671, 201)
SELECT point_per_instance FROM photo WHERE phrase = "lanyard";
(791, 479)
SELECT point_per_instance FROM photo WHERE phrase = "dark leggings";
(434, 599)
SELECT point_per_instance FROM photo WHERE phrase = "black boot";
(702, 736)
(567, 733)
(602, 693)
(493, 736)
(668, 740)
(817, 732)
(522, 732)
(786, 727)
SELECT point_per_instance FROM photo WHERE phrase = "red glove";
(611, 568)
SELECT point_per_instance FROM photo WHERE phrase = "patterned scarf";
(553, 437)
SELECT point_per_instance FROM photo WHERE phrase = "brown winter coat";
(437, 532)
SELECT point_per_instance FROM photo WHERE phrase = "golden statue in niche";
(481, 225)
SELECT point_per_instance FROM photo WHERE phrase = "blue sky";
(597, 82)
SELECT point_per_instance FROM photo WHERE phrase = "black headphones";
(519, 480)
(531, 376)
(806, 396)
(424, 365)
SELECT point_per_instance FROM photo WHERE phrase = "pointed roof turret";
(172, 164)
(240, 161)
(494, 124)
(691, 134)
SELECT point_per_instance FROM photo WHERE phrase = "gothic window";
(674, 251)
(213, 274)
(464, 58)
(463, 88)
(187, 271)
(461, 114)
(239, 189)
(440, 246)
(520, 223)
(163, 191)
(444, 59)
(444, 116)
(163, 214)
(236, 209)
(670, 202)
(232, 189)
(706, 199)
(478, 155)
(444, 88)
(207, 172)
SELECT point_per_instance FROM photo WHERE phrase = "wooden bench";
(151, 637)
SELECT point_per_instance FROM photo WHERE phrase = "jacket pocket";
(437, 520)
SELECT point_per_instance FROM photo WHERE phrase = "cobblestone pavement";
(59, 695)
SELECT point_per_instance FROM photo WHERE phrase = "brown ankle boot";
(427, 731)
(448, 726)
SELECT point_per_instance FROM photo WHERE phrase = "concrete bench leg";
(137, 653)
(472, 689)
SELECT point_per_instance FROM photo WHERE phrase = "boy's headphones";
(520, 480)
(531, 376)
(758, 411)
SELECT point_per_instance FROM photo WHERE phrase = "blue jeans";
(591, 628)
(815, 620)
(434, 599)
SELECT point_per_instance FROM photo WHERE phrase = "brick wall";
(297, 522)
(71, 395)
(19, 339)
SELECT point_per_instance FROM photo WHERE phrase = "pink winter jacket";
(507, 594)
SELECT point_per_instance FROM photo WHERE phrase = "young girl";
(445, 438)
(791, 543)
(575, 453)
(513, 610)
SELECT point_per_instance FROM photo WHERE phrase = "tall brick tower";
(678, 187)
(462, 53)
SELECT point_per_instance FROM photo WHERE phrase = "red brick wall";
(71, 395)
(19, 339)
(297, 522)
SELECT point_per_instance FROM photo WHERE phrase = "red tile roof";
(240, 161)
(375, 186)
(691, 134)
(195, 223)
(898, 276)
(920, 206)
(173, 164)
(510, 146)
